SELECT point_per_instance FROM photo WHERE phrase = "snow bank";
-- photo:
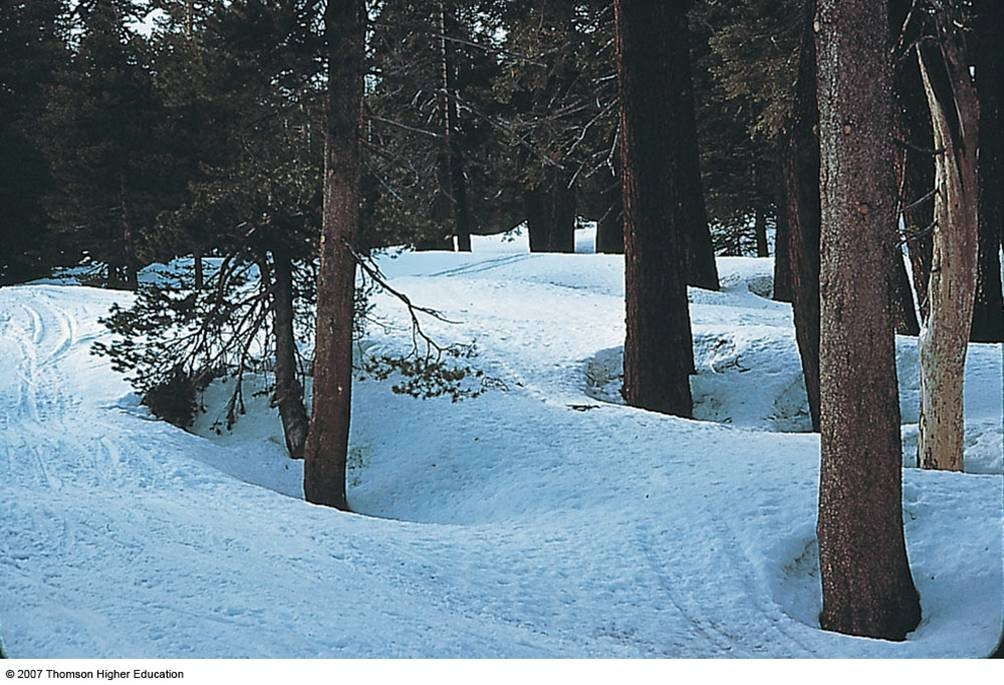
(547, 520)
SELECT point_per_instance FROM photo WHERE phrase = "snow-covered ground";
(542, 520)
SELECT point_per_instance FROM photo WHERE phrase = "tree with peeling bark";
(867, 586)
(951, 288)
(326, 452)
(658, 350)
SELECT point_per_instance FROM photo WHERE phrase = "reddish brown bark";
(867, 586)
(327, 444)
(658, 349)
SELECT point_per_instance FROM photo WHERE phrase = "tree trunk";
(658, 350)
(550, 214)
(760, 228)
(610, 226)
(326, 451)
(537, 225)
(288, 395)
(200, 278)
(702, 270)
(988, 314)
(462, 209)
(800, 168)
(130, 268)
(867, 586)
(952, 287)
(458, 180)
(782, 263)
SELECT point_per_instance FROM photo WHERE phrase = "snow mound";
(543, 520)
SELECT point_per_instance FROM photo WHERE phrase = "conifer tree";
(327, 447)
(866, 581)
(33, 52)
(658, 350)
(105, 149)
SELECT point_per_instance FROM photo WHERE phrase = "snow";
(543, 520)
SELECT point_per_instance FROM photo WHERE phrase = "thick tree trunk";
(702, 270)
(782, 262)
(288, 395)
(800, 168)
(867, 586)
(952, 287)
(327, 444)
(610, 226)
(988, 313)
(200, 278)
(658, 350)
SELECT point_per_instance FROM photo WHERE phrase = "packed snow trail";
(510, 525)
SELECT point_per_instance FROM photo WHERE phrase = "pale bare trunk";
(951, 289)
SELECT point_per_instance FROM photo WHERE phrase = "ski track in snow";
(515, 528)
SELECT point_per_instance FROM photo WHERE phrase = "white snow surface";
(544, 520)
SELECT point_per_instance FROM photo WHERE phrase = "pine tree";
(658, 350)
(105, 149)
(33, 52)
(867, 586)
(326, 452)
(801, 178)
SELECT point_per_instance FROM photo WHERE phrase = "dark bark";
(914, 124)
(800, 168)
(919, 218)
(458, 179)
(610, 226)
(461, 208)
(867, 585)
(288, 395)
(550, 214)
(782, 262)
(129, 268)
(988, 313)
(702, 270)
(326, 451)
(903, 307)
(658, 349)
(200, 278)
(760, 229)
